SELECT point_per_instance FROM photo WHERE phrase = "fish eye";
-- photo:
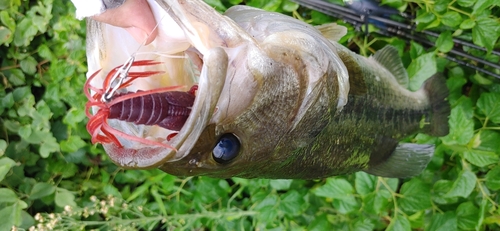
(226, 149)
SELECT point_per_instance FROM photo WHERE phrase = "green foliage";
(51, 177)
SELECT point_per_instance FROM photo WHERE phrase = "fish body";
(277, 98)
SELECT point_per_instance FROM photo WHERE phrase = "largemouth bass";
(276, 98)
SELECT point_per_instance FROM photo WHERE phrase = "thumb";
(135, 16)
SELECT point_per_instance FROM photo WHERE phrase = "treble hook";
(117, 79)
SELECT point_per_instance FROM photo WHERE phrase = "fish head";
(252, 96)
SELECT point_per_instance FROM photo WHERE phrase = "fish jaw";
(180, 34)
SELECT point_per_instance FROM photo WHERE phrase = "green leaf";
(109, 189)
(399, 223)
(7, 196)
(466, 3)
(3, 146)
(489, 103)
(467, 216)
(346, 204)
(217, 4)
(267, 208)
(235, 2)
(363, 224)
(481, 5)
(267, 5)
(467, 24)
(421, 69)
(441, 5)
(24, 33)
(426, 17)
(342, 192)
(292, 203)
(25, 131)
(72, 144)
(50, 145)
(269, 201)
(4, 4)
(443, 222)
(334, 188)
(481, 158)
(493, 179)
(28, 65)
(445, 41)
(280, 184)
(320, 223)
(463, 185)
(365, 183)
(5, 165)
(441, 189)
(40, 23)
(461, 124)
(393, 3)
(485, 33)
(451, 18)
(376, 202)
(416, 50)
(17, 77)
(64, 197)
(45, 52)
(7, 20)
(481, 80)
(5, 35)
(8, 100)
(10, 216)
(41, 189)
(289, 6)
(74, 117)
(416, 196)
(158, 199)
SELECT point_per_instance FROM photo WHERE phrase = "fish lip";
(135, 155)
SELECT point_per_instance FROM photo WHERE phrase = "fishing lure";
(164, 107)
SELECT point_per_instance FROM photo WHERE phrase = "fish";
(277, 98)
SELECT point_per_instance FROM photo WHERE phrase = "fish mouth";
(182, 63)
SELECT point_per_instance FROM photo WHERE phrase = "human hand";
(135, 16)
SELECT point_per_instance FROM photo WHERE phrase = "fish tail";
(437, 91)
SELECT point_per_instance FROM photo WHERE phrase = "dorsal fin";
(389, 58)
(332, 31)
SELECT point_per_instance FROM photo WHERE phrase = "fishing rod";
(360, 13)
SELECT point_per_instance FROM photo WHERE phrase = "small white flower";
(112, 202)
(104, 210)
(85, 212)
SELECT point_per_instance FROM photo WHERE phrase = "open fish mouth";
(178, 58)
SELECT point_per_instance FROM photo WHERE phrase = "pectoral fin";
(407, 160)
